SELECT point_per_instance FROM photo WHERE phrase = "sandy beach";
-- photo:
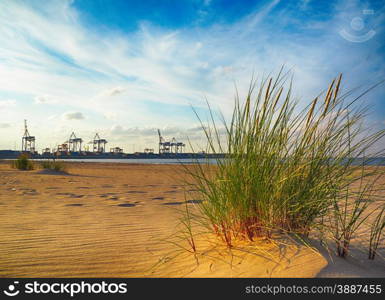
(121, 220)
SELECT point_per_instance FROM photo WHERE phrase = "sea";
(375, 161)
(163, 161)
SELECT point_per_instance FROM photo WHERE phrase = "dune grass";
(22, 163)
(287, 169)
(376, 232)
(53, 165)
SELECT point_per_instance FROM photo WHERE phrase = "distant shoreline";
(375, 161)
(136, 161)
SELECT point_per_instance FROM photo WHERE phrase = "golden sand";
(121, 220)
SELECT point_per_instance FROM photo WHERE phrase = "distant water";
(376, 161)
(155, 161)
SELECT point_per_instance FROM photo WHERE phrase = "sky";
(124, 68)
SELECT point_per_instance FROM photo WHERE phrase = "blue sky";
(125, 68)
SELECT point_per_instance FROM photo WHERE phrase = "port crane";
(166, 147)
(74, 143)
(99, 145)
(28, 141)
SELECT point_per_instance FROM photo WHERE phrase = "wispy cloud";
(44, 100)
(5, 125)
(7, 103)
(113, 91)
(149, 131)
(111, 115)
(73, 116)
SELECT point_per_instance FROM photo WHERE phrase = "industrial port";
(76, 148)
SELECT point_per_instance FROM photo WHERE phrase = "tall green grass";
(287, 168)
(348, 212)
(53, 165)
(376, 232)
(22, 163)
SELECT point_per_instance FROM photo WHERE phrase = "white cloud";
(168, 132)
(133, 131)
(73, 116)
(44, 100)
(5, 125)
(111, 115)
(4, 104)
(113, 91)
(197, 128)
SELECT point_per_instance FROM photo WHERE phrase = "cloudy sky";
(124, 68)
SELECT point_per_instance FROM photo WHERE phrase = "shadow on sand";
(62, 173)
(356, 264)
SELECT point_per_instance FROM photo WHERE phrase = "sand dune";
(121, 220)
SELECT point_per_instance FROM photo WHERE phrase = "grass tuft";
(53, 165)
(22, 163)
(376, 232)
(287, 169)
